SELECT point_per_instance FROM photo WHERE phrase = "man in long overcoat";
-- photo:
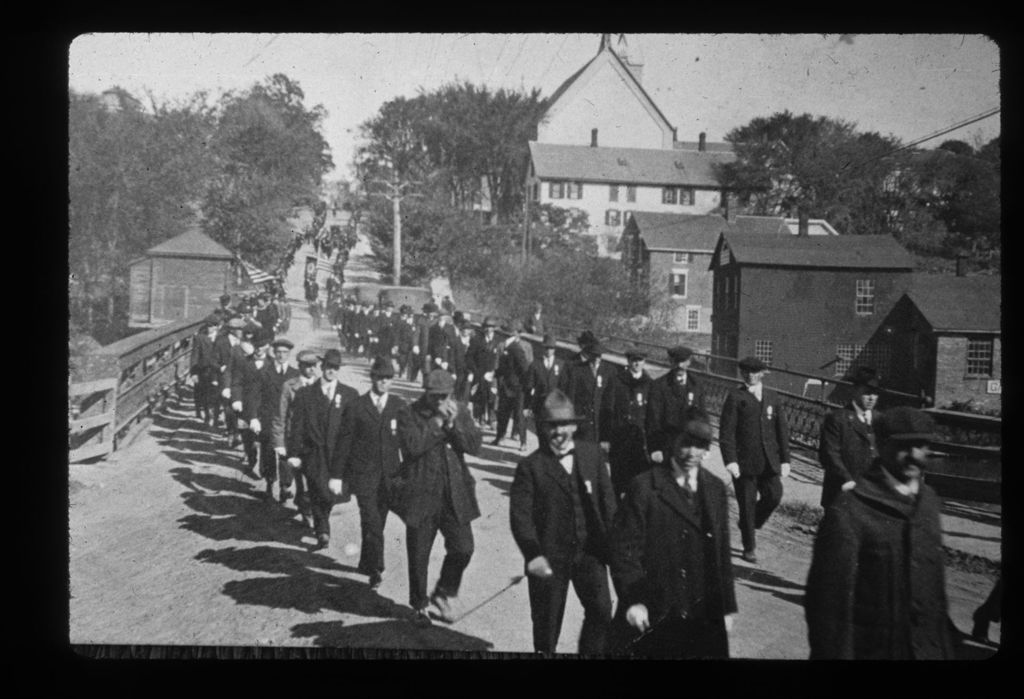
(315, 439)
(262, 403)
(627, 415)
(754, 438)
(587, 382)
(206, 371)
(229, 358)
(435, 491)
(511, 377)
(284, 424)
(482, 361)
(876, 587)
(671, 558)
(847, 444)
(561, 507)
(370, 437)
(672, 397)
(544, 373)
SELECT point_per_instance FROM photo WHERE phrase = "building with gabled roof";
(946, 334)
(810, 304)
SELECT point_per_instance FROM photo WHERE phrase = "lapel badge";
(689, 398)
(599, 382)
(394, 425)
(337, 400)
(639, 398)
(768, 410)
(590, 488)
(556, 370)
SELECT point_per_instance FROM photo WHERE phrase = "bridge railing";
(117, 385)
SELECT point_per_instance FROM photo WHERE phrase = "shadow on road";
(764, 581)
(503, 486)
(974, 513)
(395, 634)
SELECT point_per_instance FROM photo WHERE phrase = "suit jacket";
(846, 450)
(541, 509)
(482, 355)
(204, 357)
(283, 422)
(432, 455)
(741, 419)
(263, 393)
(370, 441)
(511, 371)
(268, 317)
(667, 408)
(316, 434)
(541, 381)
(535, 325)
(590, 395)
(239, 374)
(440, 341)
(658, 536)
(876, 587)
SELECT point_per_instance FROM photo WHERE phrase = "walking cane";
(515, 581)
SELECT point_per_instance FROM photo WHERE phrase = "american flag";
(257, 275)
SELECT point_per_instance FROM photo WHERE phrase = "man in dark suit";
(284, 424)
(205, 371)
(847, 442)
(672, 396)
(482, 361)
(441, 341)
(535, 324)
(266, 314)
(421, 348)
(460, 351)
(315, 439)
(544, 374)
(404, 339)
(627, 415)
(262, 403)
(754, 438)
(561, 506)
(229, 358)
(511, 377)
(370, 441)
(246, 393)
(670, 554)
(435, 492)
(587, 382)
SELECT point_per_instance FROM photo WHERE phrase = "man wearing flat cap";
(754, 438)
(627, 416)
(263, 401)
(561, 507)
(283, 427)
(481, 362)
(315, 442)
(671, 558)
(204, 371)
(511, 377)
(372, 461)
(435, 492)
(876, 587)
(587, 382)
(847, 443)
(672, 397)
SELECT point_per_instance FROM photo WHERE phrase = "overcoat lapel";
(673, 495)
(553, 470)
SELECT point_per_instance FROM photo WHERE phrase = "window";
(556, 190)
(574, 190)
(669, 195)
(682, 257)
(763, 350)
(630, 193)
(613, 192)
(979, 357)
(876, 356)
(864, 305)
(677, 283)
(611, 217)
(693, 318)
(686, 196)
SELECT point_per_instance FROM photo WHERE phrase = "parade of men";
(372, 460)
(437, 493)
(876, 589)
(754, 439)
(670, 554)
(847, 438)
(561, 507)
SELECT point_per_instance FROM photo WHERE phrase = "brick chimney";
(702, 142)
(802, 224)
(593, 138)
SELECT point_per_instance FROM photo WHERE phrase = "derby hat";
(905, 424)
(549, 341)
(751, 364)
(439, 382)
(680, 353)
(865, 378)
(382, 368)
(332, 357)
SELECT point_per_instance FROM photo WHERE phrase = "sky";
(904, 85)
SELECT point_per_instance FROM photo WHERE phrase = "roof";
(192, 243)
(626, 165)
(958, 304)
(762, 225)
(684, 232)
(717, 146)
(834, 251)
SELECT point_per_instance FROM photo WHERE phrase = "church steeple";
(630, 54)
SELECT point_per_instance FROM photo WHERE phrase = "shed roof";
(683, 232)
(831, 251)
(191, 243)
(648, 166)
(958, 304)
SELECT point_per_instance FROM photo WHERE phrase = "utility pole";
(395, 195)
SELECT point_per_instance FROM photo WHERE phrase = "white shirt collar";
(756, 390)
(862, 414)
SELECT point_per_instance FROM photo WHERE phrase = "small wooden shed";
(182, 278)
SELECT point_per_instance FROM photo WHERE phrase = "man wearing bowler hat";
(672, 397)
(847, 442)
(482, 361)
(627, 416)
(561, 507)
(587, 382)
(876, 587)
(316, 439)
(370, 443)
(283, 427)
(262, 406)
(544, 374)
(229, 357)
(754, 438)
(671, 558)
(435, 492)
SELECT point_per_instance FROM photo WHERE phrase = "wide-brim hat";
(905, 424)
(589, 344)
(382, 368)
(459, 318)
(864, 379)
(549, 341)
(751, 364)
(558, 408)
(261, 337)
(439, 382)
(332, 357)
(680, 353)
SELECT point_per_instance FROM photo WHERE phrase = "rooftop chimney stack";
(802, 224)
(702, 142)
(593, 138)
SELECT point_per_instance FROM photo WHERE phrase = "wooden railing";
(122, 383)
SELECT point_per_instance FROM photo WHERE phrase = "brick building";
(809, 304)
(947, 340)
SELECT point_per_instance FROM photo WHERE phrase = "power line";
(498, 60)
(526, 37)
(553, 58)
